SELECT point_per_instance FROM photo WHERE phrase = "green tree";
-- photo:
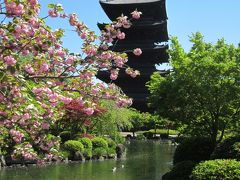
(202, 90)
(112, 121)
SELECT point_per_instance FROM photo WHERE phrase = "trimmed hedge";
(111, 143)
(73, 146)
(99, 142)
(228, 149)
(111, 150)
(193, 149)
(87, 143)
(100, 151)
(181, 171)
(216, 170)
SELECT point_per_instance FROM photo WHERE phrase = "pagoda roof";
(127, 1)
(148, 24)
(151, 9)
(154, 31)
(145, 47)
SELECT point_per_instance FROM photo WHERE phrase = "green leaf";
(51, 5)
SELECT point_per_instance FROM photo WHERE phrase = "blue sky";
(213, 18)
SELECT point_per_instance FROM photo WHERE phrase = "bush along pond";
(144, 159)
(78, 149)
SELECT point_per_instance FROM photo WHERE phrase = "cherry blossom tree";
(41, 81)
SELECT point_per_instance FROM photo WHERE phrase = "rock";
(66, 160)
(2, 161)
(101, 158)
(120, 149)
(78, 156)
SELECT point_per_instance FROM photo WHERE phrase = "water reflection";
(145, 160)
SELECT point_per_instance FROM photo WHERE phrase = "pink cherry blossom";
(53, 13)
(137, 51)
(45, 125)
(26, 116)
(29, 69)
(83, 35)
(73, 20)
(136, 14)
(9, 60)
(44, 67)
(33, 2)
(89, 111)
(120, 35)
(114, 74)
(61, 53)
(2, 32)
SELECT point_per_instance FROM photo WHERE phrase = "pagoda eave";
(151, 9)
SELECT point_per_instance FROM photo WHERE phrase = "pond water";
(145, 160)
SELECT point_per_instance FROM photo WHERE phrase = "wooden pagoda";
(148, 33)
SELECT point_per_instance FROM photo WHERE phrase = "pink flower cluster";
(53, 13)
(29, 69)
(13, 8)
(123, 22)
(124, 102)
(24, 151)
(9, 60)
(89, 111)
(16, 135)
(114, 74)
(132, 73)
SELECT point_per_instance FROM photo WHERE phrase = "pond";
(145, 160)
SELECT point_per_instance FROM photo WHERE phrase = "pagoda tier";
(148, 33)
(151, 53)
(151, 30)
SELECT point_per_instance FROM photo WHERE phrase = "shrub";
(111, 143)
(100, 151)
(111, 147)
(65, 136)
(181, 171)
(217, 169)
(111, 152)
(193, 149)
(99, 142)
(228, 149)
(118, 139)
(87, 143)
(64, 154)
(141, 137)
(87, 153)
(73, 146)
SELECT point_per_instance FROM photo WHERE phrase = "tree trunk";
(133, 134)
(214, 136)
(155, 130)
(221, 136)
